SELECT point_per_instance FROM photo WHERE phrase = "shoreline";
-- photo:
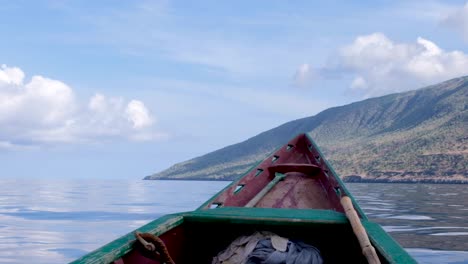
(346, 179)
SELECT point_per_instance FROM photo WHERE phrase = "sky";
(124, 89)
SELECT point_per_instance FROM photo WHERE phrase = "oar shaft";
(278, 177)
(367, 249)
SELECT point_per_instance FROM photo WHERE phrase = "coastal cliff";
(416, 136)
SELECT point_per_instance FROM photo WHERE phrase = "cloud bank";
(44, 110)
(378, 65)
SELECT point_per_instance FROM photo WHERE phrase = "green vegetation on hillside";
(420, 135)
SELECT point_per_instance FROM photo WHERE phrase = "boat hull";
(198, 236)
(294, 193)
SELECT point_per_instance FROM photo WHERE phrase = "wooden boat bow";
(293, 192)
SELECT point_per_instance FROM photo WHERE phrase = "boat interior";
(294, 176)
(200, 238)
(293, 193)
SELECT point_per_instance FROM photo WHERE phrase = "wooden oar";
(367, 249)
(278, 177)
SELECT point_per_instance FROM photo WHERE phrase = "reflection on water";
(426, 216)
(429, 220)
(58, 221)
(440, 256)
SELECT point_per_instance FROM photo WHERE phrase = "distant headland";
(419, 136)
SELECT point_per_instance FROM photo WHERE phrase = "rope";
(155, 246)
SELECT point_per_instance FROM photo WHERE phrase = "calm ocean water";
(57, 221)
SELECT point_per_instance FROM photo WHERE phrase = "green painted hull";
(253, 203)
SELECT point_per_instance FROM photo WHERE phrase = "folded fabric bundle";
(268, 248)
(296, 253)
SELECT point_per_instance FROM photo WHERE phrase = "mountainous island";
(416, 136)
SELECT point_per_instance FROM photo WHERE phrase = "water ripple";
(58, 221)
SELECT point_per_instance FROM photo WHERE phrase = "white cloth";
(241, 247)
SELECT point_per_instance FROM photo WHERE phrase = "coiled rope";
(156, 246)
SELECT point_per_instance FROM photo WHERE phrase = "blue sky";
(122, 89)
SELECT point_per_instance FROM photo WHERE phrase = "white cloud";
(458, 20)
(154, 29)
(424, 11)
(44, 110)
(303, 76)
(41, 102)
(53, 100)
(9, 146)
(11, 75)
(359, 83)
(98, 103)
(137, 113)
(380, 65)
